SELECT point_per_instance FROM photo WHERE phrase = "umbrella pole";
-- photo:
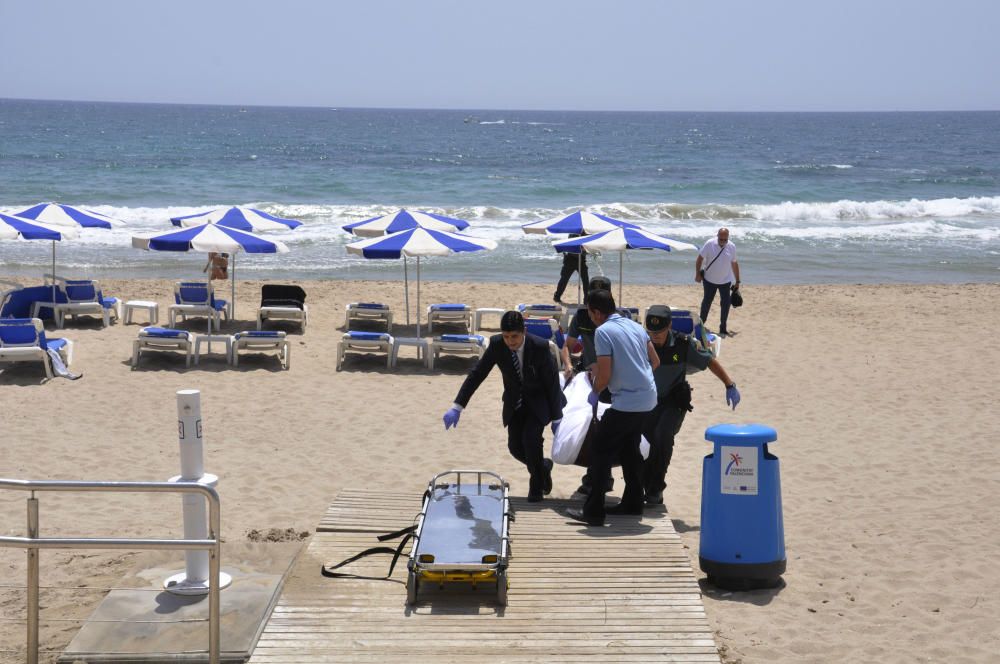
(418, 297)
(579, 276)
(621, 259)
(232, 291)
(54, 280)
(406, 290)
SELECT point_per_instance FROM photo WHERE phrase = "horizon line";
(475, 110)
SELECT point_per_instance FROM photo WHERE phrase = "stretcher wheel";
(502, 584)
(412, 587)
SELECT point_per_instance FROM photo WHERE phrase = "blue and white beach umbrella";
(13, 226)
(402, 220)
(419, 242)
(577, 223)
(620, 240)
(240, 218)
(56, 214)
(210, 238)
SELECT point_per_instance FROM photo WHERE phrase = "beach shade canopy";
(403, 220)
(620, 240)
(240, 218)
(419, 242)
(12, 226)
(577, 223)
(210, 238)
(56, 214)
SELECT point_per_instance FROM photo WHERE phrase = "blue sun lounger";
(162, 339)
(455, 344)
(365, 342)
(451, 314)
(23, 339)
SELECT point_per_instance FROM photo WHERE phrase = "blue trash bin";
(742, 533)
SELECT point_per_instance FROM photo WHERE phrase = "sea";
(808, 197)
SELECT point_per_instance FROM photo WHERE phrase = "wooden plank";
(625, 593)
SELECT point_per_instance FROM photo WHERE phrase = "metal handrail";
(32, 543)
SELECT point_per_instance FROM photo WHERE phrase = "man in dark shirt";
(679, 355)
(571, 263)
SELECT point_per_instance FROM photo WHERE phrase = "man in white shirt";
(717, 270)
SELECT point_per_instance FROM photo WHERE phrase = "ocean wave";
(977, 218)
(811, 167)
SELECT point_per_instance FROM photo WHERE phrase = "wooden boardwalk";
(625, 593)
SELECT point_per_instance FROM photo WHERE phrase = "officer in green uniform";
(679, 356)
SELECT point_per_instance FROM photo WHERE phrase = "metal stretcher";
(462, 532)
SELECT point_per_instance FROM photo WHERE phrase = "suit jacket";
(539, 392)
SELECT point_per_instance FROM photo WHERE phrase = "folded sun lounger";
(256, 341)
(24, 339)
(162, 339)
(365, 342)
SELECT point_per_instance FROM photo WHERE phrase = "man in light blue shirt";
(625, 363)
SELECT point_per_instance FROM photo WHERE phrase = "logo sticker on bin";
(739, 470)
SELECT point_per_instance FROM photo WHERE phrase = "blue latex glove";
(451, 418)
(555, 426)
(732, 396)
(592, 398)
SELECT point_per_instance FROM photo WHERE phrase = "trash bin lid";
(741, 434)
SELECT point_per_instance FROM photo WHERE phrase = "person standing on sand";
(679, 355)
(571, 262)
(719, 273)
(625, 363)
(217, 266)
(531, 396)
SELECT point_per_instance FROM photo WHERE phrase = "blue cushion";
(192, 294)
(82, 292)
(19, 302)
(109, 302)
(541, 307)
(370, 305)
(55, 344)
(218, 304)
(164, 332)
(462, 337)
(539, 329)
(449, 307)
(368, 336)
(18, 333)
(269, 334)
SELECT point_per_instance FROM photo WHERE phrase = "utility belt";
(679, 397)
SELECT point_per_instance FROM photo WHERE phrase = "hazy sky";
(713, 55)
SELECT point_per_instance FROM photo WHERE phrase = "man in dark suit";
(531, 396)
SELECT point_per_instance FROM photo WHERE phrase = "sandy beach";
(881, 396)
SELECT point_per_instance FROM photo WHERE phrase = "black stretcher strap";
(409, 531)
